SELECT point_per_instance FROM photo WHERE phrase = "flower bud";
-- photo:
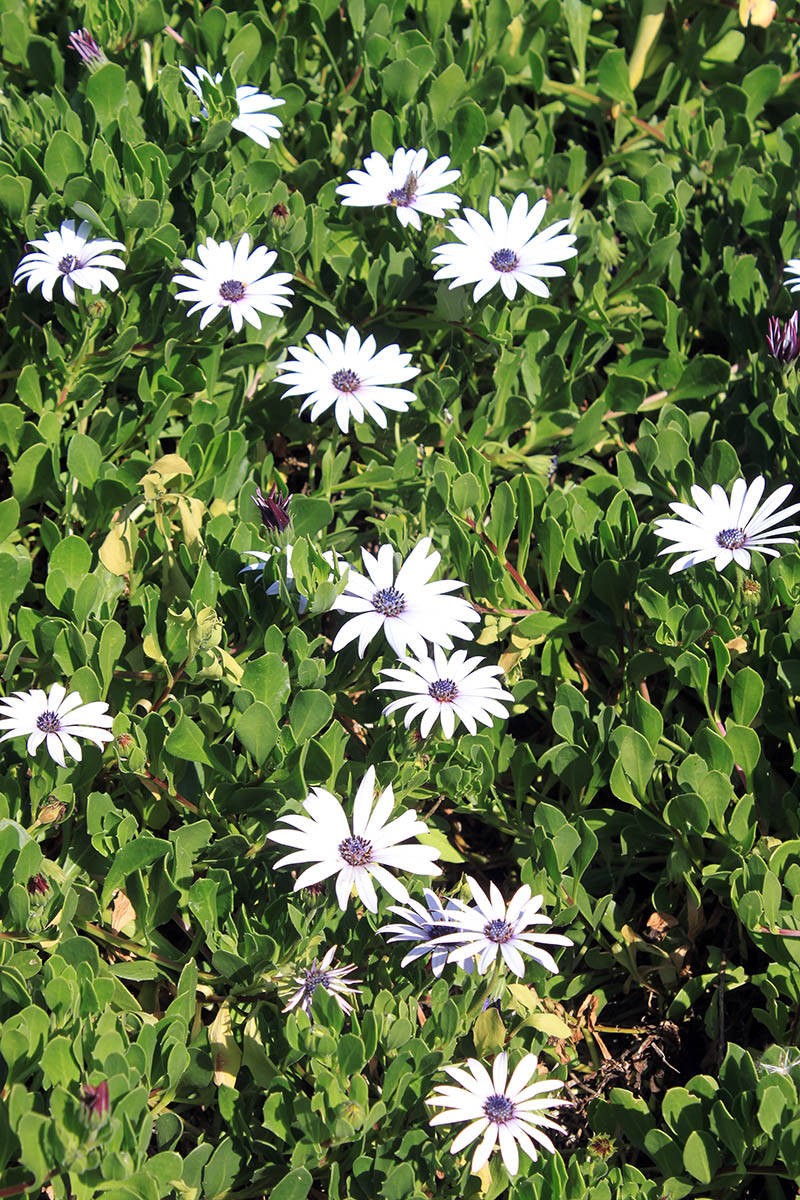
(274, 509)
(95, 1105)
(784, 342)
(84, 44)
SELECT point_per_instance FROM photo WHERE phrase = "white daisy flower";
(69, 255)
(498, 1109)
(336, 562)
(491, 926)
(727, 530)
(254, 119)
(792, 270)
(234, 279)
(451, 689)
(409, 608)
(405, 184)
(424, 924)
(56, 718)
(349, 375)
(505, 249)
(324, 839)
(332, 979)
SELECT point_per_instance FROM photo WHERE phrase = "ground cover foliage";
(646, 779)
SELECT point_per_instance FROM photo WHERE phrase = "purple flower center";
(389, 602)
(443, 690)
(356, 851)
(498, 931)
(231, 290)
(48, 722)
(404, 196)
(345, 380)
(505, 260)
(313, 978)
(498, 1109)
(68, 263)
(731, 539)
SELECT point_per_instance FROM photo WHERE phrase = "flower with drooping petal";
(409, 608)
(450, 690)
(492, 927)
(371, 850)
(254, 118)
(505, 249)
(234, 279)
(322, 974)
(726, 530)
(405, 184)
(497, 1108)
(336, 562)
(422, 925)
(57, 718)
(792, 270)
(757, 12)
(69, 255)
(349, 375)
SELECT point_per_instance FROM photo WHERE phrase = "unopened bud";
(274, 509)
(84, 44)
(51, 813)
(95, 1105)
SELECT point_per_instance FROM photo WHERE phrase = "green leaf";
(400, 1183)
(503, 516)
(15, 571)
(73, 557)
(469, 130)
(747, 693)
(268, 679)
(550, 1024)
(106, 92)
(135, 856)
(84, 457)
(257, 730)
(62, 158)
(382, 135)
(489, 1033)
(187, 741)
(435, 14)
(773, 1110)
(9, 518)
(744, 744)
(446, 90)
(112, 641)
(579, 20)
(294, 1186)
(310, 515)
(400, 80)
(310, 712)
(760, 84)
(612, 77)
(34, 1132)
(703, 376)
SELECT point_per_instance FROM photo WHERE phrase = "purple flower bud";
(38, 885)
(784, 343)
(274, 508)
(85, 45)
(95, 1104)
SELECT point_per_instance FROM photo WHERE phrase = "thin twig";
(513, 572)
